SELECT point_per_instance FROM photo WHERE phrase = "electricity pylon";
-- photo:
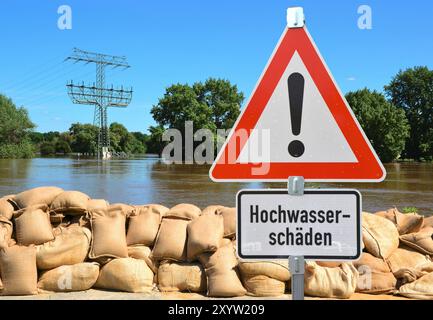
(99, 95)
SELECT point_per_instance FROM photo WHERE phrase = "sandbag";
(144, 225)
(375, 276)
(277, 270)
(405, 223)
(263, 286)
(229, 215)
(36, 196)
(189, 277)
(72, 202)
(69, 247)
(18, 271)
(380, 236)
(108, 233)
(222, 278)
(128, 209)
(33, 226)
(420, 289)
(204, 235)
(213, 209)
(143, 253)
(184, 211)
(421, 241)
(97, 204)
(77, 277)
(6, 208)
(171, 241)
(330, 282)
(405, 257)
(6, 229)
(126, 274)
(160, 208)
(428, 222)
(408, 275)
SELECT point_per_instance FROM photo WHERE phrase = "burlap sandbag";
(77, 277)
(184, 211)
(70, 246)
(420, 289)
(380, 236)
(189, 277)
(18, 271)
(330, 282)
(405, 257)
(6, 229)
(408, 275)
(263, 286)
(278, 270)
(421, 241)
(6, 208)
(33, 226)
(375, 276)
(97, 204)
(126, 274)
(72, 202)
(428, 222)
(171, 241)
(108, 233)
(204, 235)
(222, 278)
(144, 225)
(405, 223)
(213, 209)
(143, 253)
(229, 216)
(40, 195)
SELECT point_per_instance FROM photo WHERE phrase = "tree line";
(398, 122)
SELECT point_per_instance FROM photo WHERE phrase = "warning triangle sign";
(297, 123)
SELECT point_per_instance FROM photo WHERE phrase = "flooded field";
(148, 180)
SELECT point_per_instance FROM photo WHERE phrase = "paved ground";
(110, 295)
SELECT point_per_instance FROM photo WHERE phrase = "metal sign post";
(295, 187)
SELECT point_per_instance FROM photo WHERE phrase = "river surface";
(148, 180)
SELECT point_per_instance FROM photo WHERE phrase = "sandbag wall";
(63, 241)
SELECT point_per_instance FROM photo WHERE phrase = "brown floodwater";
(148, 180)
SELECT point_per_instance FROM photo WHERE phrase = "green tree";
(63, 147)
(15, 127)
(84, 138)
(47, 148)
(124, 141)
(384, 124)
(155, 144)
(412, 90)
(214, 104)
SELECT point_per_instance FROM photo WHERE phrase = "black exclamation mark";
(296, 98)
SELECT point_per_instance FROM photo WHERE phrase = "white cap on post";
(295, 17)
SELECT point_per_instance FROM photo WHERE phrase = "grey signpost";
(295, 187)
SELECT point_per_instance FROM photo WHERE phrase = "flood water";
(148, 180)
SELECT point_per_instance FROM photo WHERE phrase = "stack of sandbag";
(61, 262)
(264, 278)
(375, 276)
(221, 271)
(338, 281)
(229, 219)
(171, 241)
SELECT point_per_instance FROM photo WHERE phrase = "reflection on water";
(148, 180)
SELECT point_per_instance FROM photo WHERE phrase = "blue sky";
(186, 41)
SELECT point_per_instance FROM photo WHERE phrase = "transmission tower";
(98, 94)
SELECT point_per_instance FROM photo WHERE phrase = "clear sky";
(170, 41)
